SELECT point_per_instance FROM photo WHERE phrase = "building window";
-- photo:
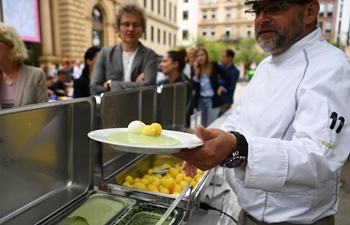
(164, 37)
(249, 31)
(164, 8)
(212, 32)
(185, 15)
(159, 7)
(97, 28)
(158, 36)
(169, 39)
(330, 9)
(152, 5)
(170, 6)
(228, 13)
(174, 39)
(145, 35)
(145, 3)
(321, 12)
(328, 27)
(185, 35)
(204, 32)
(175, 13)
(213, 14)
(185, 1)
(228, 32)
(152, 34)
(204, 15)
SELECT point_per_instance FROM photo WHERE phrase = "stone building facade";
(224, 20)
(70, 27)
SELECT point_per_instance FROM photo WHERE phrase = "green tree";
(248, 51)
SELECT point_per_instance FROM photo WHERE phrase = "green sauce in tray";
(97, 210)
(128, 138)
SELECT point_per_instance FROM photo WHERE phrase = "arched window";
(97, 28)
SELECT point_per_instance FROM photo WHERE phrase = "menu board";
(24, 16)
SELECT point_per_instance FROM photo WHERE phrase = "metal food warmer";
(50, 169)
(115, 165)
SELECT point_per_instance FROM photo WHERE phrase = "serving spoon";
(165, 170)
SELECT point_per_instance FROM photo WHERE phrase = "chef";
(288, 138)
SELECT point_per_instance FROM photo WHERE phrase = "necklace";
(129, 56)
(9, 81)
(126, 57)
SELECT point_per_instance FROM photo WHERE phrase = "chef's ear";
(312, 10)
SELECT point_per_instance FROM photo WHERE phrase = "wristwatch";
(240, 156)
(109, 84)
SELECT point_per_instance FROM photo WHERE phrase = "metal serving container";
(139, 168)
(47, 164)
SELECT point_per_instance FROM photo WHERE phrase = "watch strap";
(242, 144)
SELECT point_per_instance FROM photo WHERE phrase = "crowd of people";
(126, 65)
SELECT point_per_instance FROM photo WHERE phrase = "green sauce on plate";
(128, 138)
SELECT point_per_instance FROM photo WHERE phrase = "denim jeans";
(209, 114)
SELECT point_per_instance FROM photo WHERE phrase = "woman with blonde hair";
(207, 90)
(128, 64)
(20, 84)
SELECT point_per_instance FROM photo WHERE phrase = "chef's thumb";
(200, 132)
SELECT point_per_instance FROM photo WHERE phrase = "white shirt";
(128, 59)
(294, 157)
(187, 70)
(77, 71)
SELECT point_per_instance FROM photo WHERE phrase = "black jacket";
(214, 78)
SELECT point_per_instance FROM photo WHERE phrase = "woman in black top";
(172, 65)
(207, 89)
(81, 85)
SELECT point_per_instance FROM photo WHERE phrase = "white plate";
(186, 141)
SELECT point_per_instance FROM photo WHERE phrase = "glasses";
(128, 24)
(273, 9)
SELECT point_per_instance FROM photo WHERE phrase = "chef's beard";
(284, 36)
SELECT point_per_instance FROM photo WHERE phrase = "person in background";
(49, 85)
(77, 69)
(207, 90)
(172, 66)
(59, 86)
(191, 56)
(160, 75)
(44, 68)
(128, 64)
(288, 139)
(187, 69)
(65, 66)
(53, 70)
(81, 85)
(227, 57)
(20, 84)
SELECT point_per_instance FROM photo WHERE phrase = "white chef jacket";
(294, 159)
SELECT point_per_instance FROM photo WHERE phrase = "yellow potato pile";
(173, 182)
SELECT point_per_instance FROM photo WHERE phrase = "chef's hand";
(218, 144)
